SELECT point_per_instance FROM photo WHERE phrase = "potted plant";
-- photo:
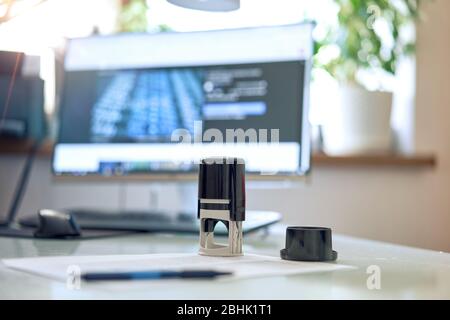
(367, 43)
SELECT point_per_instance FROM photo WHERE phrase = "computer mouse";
(56, 224)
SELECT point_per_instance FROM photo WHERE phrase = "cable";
(22, 183)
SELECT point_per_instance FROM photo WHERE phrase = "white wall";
(407, 206)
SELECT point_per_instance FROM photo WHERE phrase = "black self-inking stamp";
(221, 198)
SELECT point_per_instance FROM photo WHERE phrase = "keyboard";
(155, 221)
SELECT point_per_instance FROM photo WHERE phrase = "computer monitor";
(157, 103)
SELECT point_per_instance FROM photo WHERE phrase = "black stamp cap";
(308, 244)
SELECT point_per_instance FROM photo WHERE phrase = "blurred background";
(379, 111)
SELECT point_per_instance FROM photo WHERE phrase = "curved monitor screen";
(141, 103)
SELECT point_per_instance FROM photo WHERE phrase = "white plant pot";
(359, 122)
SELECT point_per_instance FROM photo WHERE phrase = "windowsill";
(376, 160)
(319, 159)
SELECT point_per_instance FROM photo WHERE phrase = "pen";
(153, 275)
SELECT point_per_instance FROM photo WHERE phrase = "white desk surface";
(406, 273)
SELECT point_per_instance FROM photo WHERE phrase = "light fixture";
(208, 5)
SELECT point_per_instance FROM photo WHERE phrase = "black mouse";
(56, 224)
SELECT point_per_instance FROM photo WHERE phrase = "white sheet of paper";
(246, 266)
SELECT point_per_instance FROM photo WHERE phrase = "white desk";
(406, 273)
